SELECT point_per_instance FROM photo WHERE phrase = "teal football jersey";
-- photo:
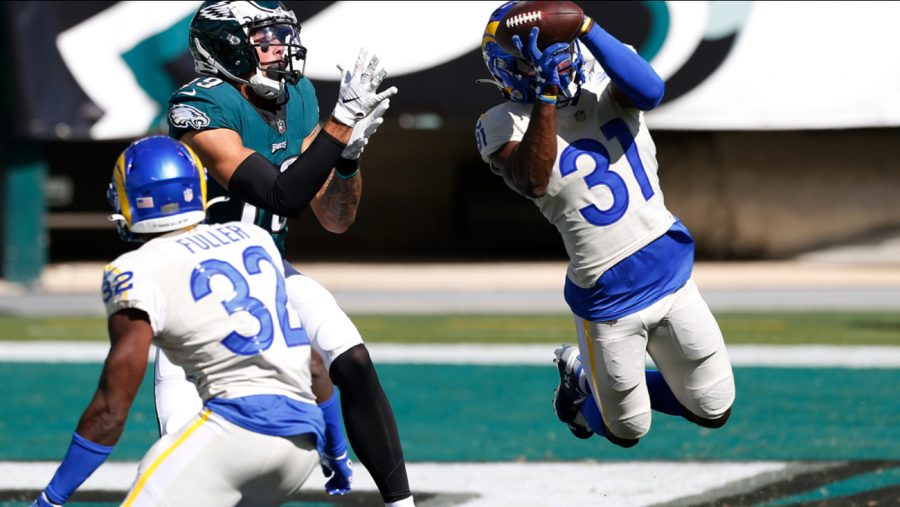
(210, 103)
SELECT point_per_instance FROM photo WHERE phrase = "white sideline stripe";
(822, 356)
(622, 484)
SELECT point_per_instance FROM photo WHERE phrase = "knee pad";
(716, 400)
(714, 405)
(622, 442)
(712, 423)
(629, 429)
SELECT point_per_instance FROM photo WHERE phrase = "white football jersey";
(603, 195)
(218, 307)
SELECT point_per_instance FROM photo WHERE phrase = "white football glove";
(357, 97)
(363, 130)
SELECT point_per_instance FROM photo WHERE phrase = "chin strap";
(263, 86)
(489, 81)
(217, 200)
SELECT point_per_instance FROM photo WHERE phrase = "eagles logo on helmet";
(227, 39)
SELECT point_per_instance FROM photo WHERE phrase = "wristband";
(346, 168)
(335, 445)
(82, 458)
(547, 99)
(586, 25)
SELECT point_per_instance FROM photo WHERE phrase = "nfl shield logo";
(280, 126)
(188, 195)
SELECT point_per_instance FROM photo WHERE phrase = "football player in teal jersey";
(254, 122)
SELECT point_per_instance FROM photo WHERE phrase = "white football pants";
(212, 462)
(683, 339)
(330, 332)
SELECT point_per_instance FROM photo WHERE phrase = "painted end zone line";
(820, 356)
(490, 484)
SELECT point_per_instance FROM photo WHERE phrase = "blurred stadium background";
(776, 143)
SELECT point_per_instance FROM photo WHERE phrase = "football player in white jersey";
(253, 118)
(213, 298)
(571, 137)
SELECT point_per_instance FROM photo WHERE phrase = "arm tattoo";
(341, 199)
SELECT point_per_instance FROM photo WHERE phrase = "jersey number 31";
(601, 175)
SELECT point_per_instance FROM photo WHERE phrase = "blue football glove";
(341, 472)
(546, 64)
(43, 501)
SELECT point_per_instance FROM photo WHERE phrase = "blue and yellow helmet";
(514, 76)
(158, 185)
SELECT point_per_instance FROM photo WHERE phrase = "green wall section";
(24, 242)
(23, 237)
(502, 413)
(147, 60)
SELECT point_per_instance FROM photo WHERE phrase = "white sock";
(406, 502)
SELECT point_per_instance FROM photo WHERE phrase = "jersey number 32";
(241, 300)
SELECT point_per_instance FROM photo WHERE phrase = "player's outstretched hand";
(546, 63)
(340, 471)
(358, 95)
(43, 501)
(363, 130)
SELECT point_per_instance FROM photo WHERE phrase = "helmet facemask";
(571, 76)
(279, 57)
(516, 83)
(117, 218)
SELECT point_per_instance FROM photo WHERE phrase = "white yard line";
(823, 356)
(490, 484)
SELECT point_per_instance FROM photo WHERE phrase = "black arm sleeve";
(370, 423)
(287, 193)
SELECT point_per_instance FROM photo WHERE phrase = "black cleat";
(567, 398)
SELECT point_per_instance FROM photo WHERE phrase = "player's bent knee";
(622, 442)
(626, 432)
(715, 422)
(712, 406)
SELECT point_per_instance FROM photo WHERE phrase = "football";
(558, 22)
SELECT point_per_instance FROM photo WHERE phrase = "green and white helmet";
(227, 37)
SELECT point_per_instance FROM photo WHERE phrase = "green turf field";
(494, 413)
(827, 328)
(459, 413)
